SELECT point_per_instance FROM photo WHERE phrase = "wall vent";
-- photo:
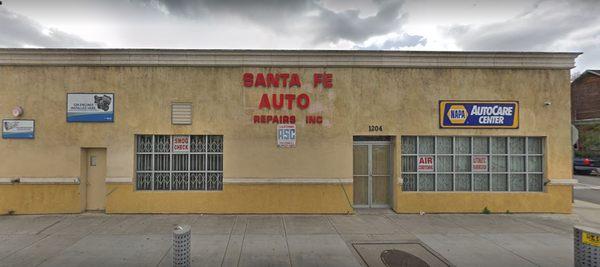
(181, 113)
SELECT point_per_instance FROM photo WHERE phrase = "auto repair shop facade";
(257, 131)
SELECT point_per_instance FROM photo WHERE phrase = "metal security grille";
(182, 244)
(513, 163)
(159, 168)
(587, 253)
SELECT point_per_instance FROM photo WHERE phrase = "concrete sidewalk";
(284, 240)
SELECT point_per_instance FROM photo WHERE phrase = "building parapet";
(286, 58)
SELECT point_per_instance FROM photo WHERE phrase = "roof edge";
(586, 72)
(286, 58)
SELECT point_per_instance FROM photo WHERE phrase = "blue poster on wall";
(479, 114)
(88, 107)
(18, 129)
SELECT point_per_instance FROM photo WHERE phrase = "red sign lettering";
(284, 100)
(323, 78)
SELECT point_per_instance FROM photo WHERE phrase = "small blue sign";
(88, 107)
(18, 129)
(286, 135)
(479, 114)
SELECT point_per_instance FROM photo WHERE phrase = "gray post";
(182, 239)
(587, 246)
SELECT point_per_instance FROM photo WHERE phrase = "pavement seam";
(333, 225)
(509, 250)
(348, 243)
(498, 245)
(33, 242)
(540, 225)
(229, 240)
(287, 244)
(25, 247)
(164, 256)
(82, 237)
(243, 239)
(394, 223)
(39, 232)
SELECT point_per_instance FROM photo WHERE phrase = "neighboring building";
(585, 113)
(264, 131)
(585, 97)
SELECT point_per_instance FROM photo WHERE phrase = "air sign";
(425, 164)
(479, 114)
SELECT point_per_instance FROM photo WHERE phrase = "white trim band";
(563, 182)
(8, 180)
(286, 58)
(286, 181)
(118, 180)
(46, 180)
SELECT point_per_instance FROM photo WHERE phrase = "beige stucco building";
(243, 131)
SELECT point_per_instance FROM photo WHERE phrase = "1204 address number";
(375, 128)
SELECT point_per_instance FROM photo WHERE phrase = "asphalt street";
(588, 188)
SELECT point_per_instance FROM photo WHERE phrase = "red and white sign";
(479, 163)
(425, 164)
(181, 143)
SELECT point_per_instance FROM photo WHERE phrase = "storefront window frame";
(203, 173)
(489, 173)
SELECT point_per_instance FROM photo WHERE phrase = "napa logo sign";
(479, 114)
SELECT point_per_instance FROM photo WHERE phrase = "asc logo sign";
(480, 114)
(286, 135)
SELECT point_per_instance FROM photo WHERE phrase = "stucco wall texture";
(402, 100)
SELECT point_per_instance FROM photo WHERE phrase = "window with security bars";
(179, 162)
(472, 163)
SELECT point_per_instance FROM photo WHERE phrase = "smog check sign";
(181, 144)
(479, 114)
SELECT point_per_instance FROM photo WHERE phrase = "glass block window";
(179, 162)
(472, 163)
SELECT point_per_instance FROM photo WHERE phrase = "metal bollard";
(182, 239)
(587, 246)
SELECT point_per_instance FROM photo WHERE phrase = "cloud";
(549, 25)
(348, 25)
(20, 31)
(540, 28)
(394, 43)
(310, 18)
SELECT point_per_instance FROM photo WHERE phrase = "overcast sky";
(505, 25)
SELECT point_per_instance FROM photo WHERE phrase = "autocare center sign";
(291, 98)
(479, 114)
